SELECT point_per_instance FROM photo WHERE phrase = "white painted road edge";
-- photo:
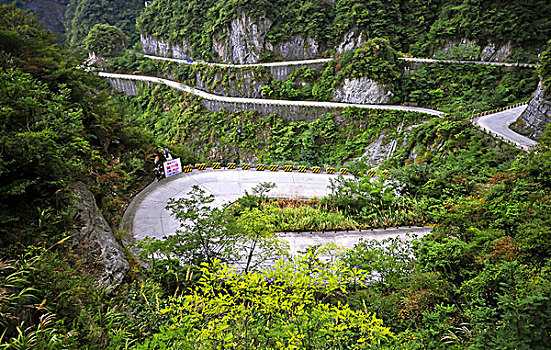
(212, 97)
(486, 63)
(229, 65)
(325, 60)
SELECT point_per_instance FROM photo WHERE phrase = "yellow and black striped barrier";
(316, 169)
(187, 168)
(288, 168)
(274, 168)
(231, 165)
(301, 169)
(260, 167)
(246, 166)
(216, 166)
(200, 166)
(372, 173)
(344, 171)
(330, 170)
(386, 172)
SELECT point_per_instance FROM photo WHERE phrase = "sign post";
(172, 167)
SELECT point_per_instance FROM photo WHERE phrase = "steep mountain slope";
(50, 12)
(245, 32)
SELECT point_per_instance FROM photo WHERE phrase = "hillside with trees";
(420, 28)
(480, 280)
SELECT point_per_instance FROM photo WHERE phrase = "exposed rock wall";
(363, 91)
(95, 240)
(161, 47)
(283, 72)
(351, 40)
(298, 47)
(128, 87)
(536, 116)
(243, 41)
(468, 49)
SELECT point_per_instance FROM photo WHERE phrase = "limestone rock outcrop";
(94, 239)
(492, 52)
(468, 49)
(243, 41)
(299, 47)
(161, 47)
(537, 114)
(363, 90)
(351, 40)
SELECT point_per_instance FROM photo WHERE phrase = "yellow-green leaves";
(284, 307)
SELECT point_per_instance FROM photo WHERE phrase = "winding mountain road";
(498, 124)
(212, 97)
(147, 215)
(325, 60)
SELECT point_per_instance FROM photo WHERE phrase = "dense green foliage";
(82, 16)
(521, 22)
(247, 137)
(105, 40)
(545, 67)
(49, 12)
(435, 85)
(58, 124)
(281, 308)
(480, 280)
(418, 27)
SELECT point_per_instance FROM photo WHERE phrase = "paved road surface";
(213, 97)
(147, 216)
(487, 63)
(271, 64)
(498, 123)
(324, 60)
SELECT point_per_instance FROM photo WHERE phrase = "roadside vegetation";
(480, 280)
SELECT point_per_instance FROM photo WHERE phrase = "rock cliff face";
(537, 115)
(128, 87)
(467, 49)
(492, 52)
(243, 41)
(95, 240)
(298, 47)
(351, 41)
(364, 91)
(161, 47)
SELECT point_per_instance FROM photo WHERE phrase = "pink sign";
(172, 167)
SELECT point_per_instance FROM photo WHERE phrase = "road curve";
(212, 97)
(147, 215)
(498, 124)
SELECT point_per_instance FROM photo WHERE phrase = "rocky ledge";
(95, 241)
(536, 116)
(363, 91)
